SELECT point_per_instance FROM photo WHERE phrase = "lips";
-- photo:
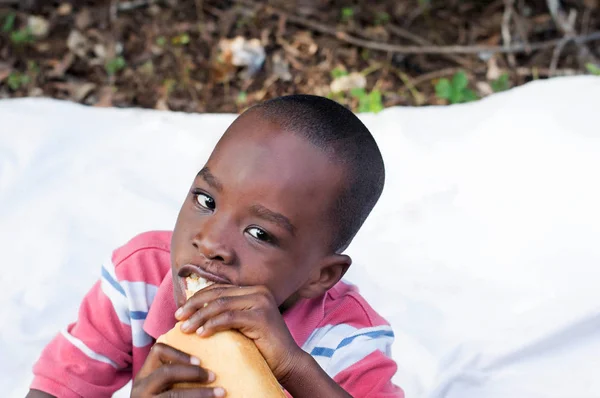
(191, 269)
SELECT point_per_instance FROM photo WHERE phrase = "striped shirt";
(132, 304)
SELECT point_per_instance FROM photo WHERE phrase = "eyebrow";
(277, 218)
(210, 179)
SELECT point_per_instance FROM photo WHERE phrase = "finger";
(194, 393)
(205, 296)
(221, 305)
(162, 354)
(247, 322)
(167, 375)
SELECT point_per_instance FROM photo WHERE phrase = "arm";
(38, 394)
(91, 356)
(310, 380)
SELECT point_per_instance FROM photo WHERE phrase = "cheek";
(276, 273)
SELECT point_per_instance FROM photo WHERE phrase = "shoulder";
(351, 331)
(344, 304)
(145, 258)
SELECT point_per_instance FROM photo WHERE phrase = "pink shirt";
(132, 304)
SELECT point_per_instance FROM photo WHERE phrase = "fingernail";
(200, 330)
(219, 392)
(195, 361)
(179, 313)
(186, 325)
(211, 377)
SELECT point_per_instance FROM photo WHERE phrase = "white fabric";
(483, 251)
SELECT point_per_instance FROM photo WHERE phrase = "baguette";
(238, 365)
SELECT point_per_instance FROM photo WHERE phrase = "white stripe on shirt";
(338, 347)
(355, 348)
(87, 350)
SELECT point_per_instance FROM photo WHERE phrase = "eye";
(259, 234)
(204, 200)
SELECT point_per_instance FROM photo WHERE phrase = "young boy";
(267, 219)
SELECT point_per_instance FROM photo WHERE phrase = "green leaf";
(460, 81)
(347, 13)
(469, 96)
(501, 84)
(382, 18)
(593, 69)
(358, 93)
(16, 80)
(375, 101)
(115, 65)
(181, 40)
(338, 72)
(9, 22)
(161, 41)
(443, 89)
(242, 97)
(22, 36)
(456, 95)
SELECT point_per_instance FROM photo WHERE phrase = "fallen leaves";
(219, 57)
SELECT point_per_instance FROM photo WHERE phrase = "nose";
(212, 241)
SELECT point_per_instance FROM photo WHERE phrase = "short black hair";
(337, 131)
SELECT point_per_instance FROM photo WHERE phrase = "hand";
(165, 367)
(251, 310)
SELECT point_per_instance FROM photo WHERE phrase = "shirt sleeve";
(91, 357)
(362, 364)
(359, 360)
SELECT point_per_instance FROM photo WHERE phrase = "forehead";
(281, 170)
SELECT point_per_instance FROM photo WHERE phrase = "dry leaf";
(38, 26)
(348, 82)
(64, 9)
(78, 43)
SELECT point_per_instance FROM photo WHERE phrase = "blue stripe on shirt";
(328, 352)
(374, 334)
(113, 282)
(322, 352)
(138, 315)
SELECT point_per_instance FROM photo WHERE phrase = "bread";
(238, 365)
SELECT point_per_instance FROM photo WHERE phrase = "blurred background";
(223, 56)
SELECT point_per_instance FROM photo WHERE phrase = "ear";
(325, 276)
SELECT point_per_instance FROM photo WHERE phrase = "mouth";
(195, 278)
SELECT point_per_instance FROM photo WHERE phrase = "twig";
(395, 48)
(567, 26)
(506, 37)
(556, 53)
(133, 4)
(398, 31)
(200, 10)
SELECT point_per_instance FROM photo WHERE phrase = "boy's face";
(258, 214)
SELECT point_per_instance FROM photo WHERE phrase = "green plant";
(242, 98)
(593, 69)
(456, 91)
(381, 18)
(367, 102)
(338, 71)
(181, 40)
(22, 36)
(161, 41)
(347, 14)
(115, 65)
(501, 84)
(16, 80)
(9, 22)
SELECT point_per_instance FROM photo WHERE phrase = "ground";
(183, 56)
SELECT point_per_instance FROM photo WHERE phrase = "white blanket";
(484, 251)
